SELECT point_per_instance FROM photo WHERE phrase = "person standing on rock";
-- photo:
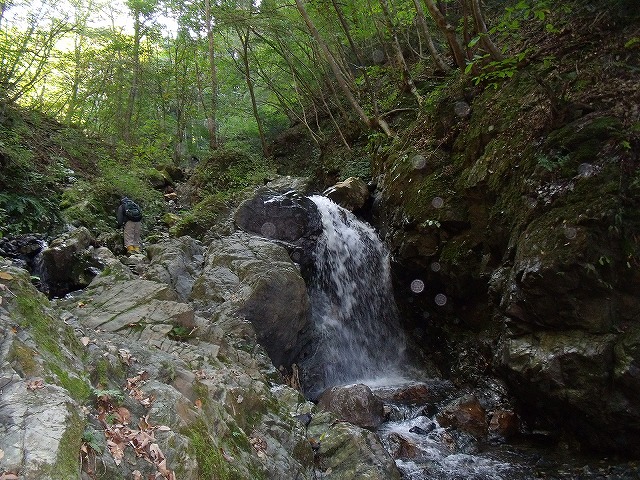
(129, 214)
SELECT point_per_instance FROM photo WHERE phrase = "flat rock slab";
(142, 309)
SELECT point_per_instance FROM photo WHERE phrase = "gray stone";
(351, 193)
(355, 404)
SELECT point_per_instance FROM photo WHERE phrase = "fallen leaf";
(8, 476)
(0, 300)
(85, 341)
(117, 451)
(155, 453)
(198, 403)
(81, 304)
(136, 475)
(1, 454)
(123, 415)
(6, 276)
(160, 428)
(226, 456)
(35, 384)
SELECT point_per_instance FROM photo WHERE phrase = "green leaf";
(474, 41)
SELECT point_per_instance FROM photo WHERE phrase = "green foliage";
(20, 214)
(228, 171)
(204, 215)
(93, 440)
(493, 73)
(552, 163)
(211, 464)
(111, 396)
(180, 333)
(633, 42)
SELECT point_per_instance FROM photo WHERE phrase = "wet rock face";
(532, 240)
(355, 404)
(255, 279)
(280, 216)
(21, 249)
(289, 218)
(465, 414)
(351, 193)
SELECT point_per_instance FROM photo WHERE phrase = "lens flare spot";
(419, 162)
(441, 299)
(437, 202)
(570, 232)
(268, 229)
(417, 286)
(586, 170)
(378, 56)
(435, 267)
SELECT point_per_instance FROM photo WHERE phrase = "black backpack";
(131, 210)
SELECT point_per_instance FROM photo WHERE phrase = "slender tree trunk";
(449, 32)
(75, 85)
(481, 27)
(244, 40)
(356, 52)
(336, 71)
(133, 91)
(212, 124)
(406, 74)
(422, 20)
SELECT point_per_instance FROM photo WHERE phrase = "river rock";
(288, 216)
(504, 423)
(402, 447)
(355, 404)
(422, 393)
(351, 193)
(344, 450)
(67, 262)
(465, 414)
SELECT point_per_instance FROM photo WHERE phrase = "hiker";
(129, 214)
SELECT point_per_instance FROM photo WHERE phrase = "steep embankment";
(518, 208)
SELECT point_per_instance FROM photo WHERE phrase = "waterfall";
(356, 336)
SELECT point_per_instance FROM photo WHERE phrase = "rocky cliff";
(513, 214)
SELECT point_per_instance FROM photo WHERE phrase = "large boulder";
(176, 262)
(42, 383)
(343, 450)
(70, 262)
(255, 279)
(289, 216)
(354, 404)
(351, 193)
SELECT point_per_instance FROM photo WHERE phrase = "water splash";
(356, 334)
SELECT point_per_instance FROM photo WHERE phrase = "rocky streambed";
(181, 364)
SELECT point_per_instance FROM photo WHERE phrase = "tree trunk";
(133, 91)
(406, 74)
(336, 71)
(244, 40)
(437, 58)
(212, 124)
(481, 27)
(356, 52)
(449, 32)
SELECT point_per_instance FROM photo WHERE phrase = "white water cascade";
(356, 334)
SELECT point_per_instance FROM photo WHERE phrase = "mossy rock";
(583, 139)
